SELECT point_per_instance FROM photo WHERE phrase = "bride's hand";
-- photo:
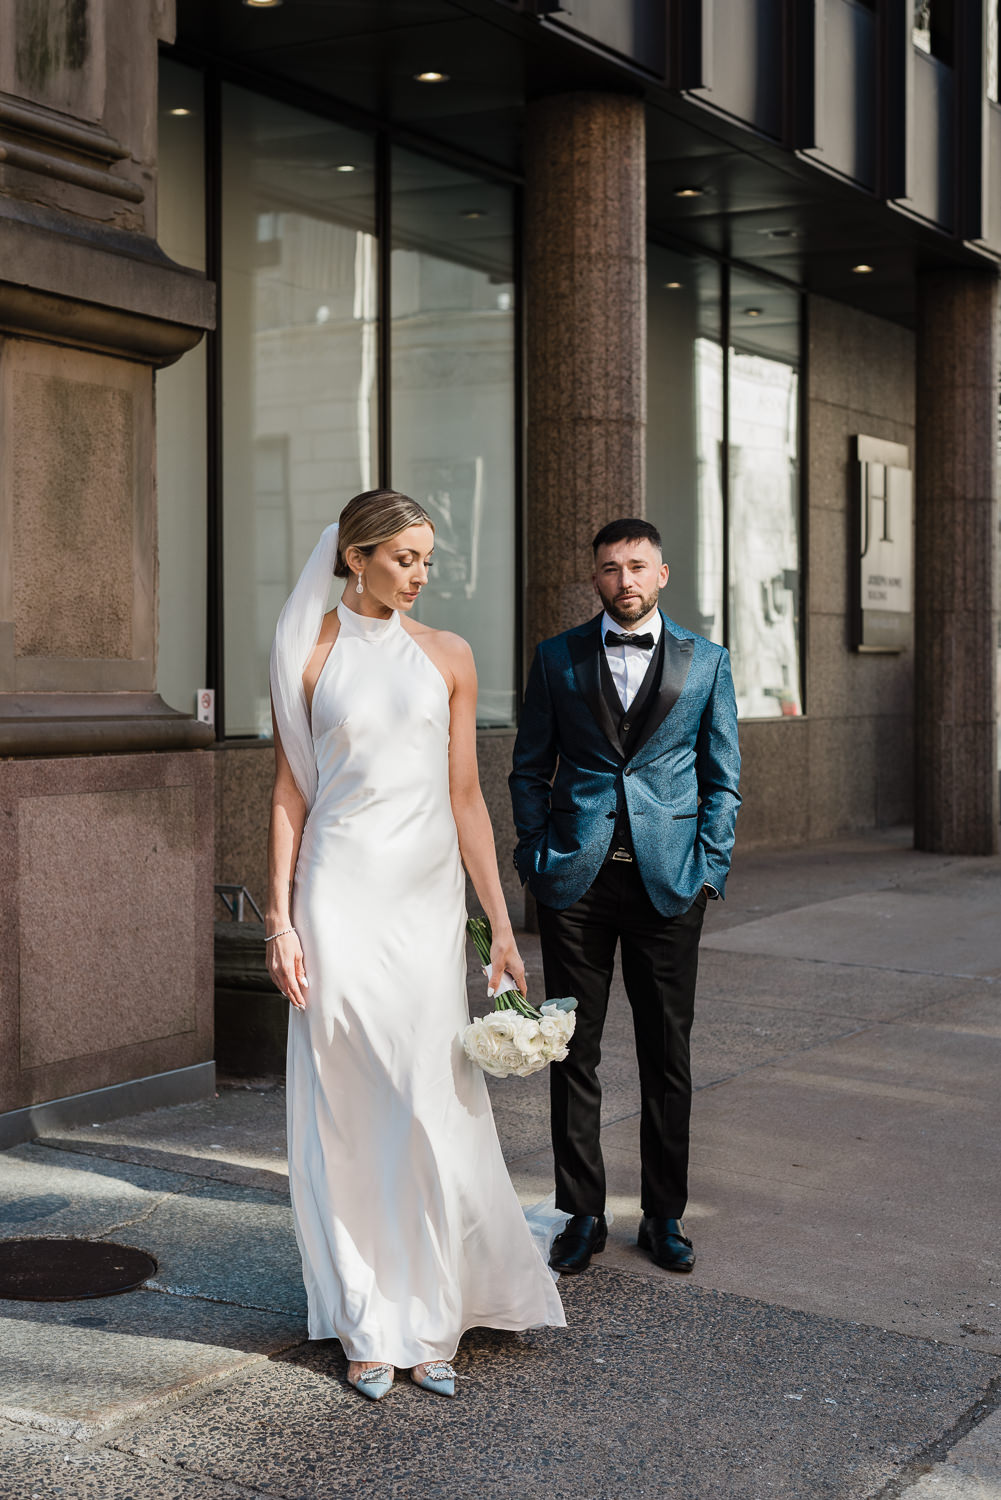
(287, 969)
(504, 955)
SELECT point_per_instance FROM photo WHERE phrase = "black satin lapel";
(677, 660)
(584, 650)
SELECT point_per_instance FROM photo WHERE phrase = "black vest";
(629, 724)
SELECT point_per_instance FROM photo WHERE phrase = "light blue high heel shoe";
(439, 1377)
(374, 1383)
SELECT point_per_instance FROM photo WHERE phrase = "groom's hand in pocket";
(286, 967)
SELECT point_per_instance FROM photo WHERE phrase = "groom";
(625, 796)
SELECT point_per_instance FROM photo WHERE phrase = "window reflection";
(298, 313)
(452, 388)
(764, 584)
(685, 434)
(933, 26)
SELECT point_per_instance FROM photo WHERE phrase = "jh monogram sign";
(882, 556)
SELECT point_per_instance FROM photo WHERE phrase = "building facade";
(731, 264)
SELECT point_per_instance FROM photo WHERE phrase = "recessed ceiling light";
(753, 312)
(178, 111)
(672, 286)
(689, 192)
(862, 270)
(473, 213)
(346, 166)
(431, 77)
(782, 234)
(262, 4)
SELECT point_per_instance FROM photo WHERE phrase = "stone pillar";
(956, 520)
(585, 291)
(105, 852)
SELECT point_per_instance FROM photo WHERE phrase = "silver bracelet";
(283, 933)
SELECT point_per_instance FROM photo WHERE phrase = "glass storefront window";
(685, 433)
(452, 395)
(764, 506)
(299, 355)
(181, 402)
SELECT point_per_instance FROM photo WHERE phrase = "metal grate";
(49, 1270)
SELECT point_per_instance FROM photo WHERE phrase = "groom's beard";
(627, 611)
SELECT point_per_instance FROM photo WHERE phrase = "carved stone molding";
(64, 169)
(95, 723)
(83, 292)
(50, 128)
(87, 325)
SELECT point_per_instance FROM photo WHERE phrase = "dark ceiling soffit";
(300, 96)
(663, 95)
(532, 22)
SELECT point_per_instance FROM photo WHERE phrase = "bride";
(409, 1228)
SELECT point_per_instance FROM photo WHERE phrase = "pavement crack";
(847, 963)
(190, 1295)
(141, 1218)
(934, 1452)
(781, 1057)
(156, 1462)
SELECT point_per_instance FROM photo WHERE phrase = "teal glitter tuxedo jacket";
(679, 784)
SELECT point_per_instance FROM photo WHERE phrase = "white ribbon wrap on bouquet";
(507, 982)
(296, 634)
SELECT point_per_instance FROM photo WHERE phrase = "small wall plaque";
(205, 706)
(882, 550)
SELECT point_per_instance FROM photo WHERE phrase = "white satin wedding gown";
(409, 1227)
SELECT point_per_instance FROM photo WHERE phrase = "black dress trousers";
(659, 965)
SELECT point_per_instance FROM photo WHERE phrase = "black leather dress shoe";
(666, 1242)
(584, 1236)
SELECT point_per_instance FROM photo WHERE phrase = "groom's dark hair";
(628, 529)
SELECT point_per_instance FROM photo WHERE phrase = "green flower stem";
(481, 938)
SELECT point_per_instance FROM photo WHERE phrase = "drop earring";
(359, 586)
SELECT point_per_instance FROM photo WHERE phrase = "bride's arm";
(288, 815)
(472, 821)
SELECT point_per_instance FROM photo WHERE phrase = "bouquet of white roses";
(515, 1037)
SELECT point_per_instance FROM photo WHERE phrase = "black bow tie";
(644, 641)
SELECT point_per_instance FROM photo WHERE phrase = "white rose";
(505, 1026)
(483, 1047)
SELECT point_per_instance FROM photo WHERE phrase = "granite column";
(956, 520)
(585, 289)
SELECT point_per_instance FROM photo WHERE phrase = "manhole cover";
(40, 1270)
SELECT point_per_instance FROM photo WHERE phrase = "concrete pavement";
(839, 1337)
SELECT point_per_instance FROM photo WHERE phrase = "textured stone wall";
(848, 764)
(106, 910)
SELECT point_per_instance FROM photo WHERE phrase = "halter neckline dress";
(409, 1227)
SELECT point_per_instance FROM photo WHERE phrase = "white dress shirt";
(628, 664)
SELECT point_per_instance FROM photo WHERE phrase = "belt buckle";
(622, 856)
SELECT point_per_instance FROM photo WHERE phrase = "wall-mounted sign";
(882, 552)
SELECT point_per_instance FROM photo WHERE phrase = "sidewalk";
(840, 1336)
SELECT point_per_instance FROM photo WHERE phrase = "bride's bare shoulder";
(451, 654)
(439, 640)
